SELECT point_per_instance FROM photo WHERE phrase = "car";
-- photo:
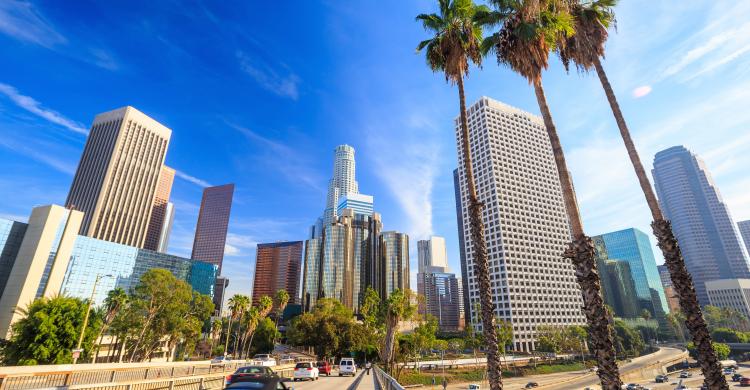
(324, 367)
(704, 387)
(221, 360)
(662, 379)
(531, 385)
(474, 386)
(737, 377)
(264, 359)
(347, 367)
(250, 373)
(633, 386)
(261, 384)
(744, 382)
(685, 374)
(306, 370)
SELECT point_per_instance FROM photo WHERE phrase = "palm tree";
(398, 308)
(280, 301)
(585, 49)
(530, 30)
(216, 326)
(264, 308)
(252, 319)
(114, 302)
(456, 42)
(238, 303)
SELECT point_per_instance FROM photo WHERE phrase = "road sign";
(77, 353)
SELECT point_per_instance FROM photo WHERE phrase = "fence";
(384, 381)
(137, 378)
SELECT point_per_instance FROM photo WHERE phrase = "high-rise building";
(118, 175)
(166, 229)
(709, 239)
(442, 297)
(744, 227)
(666, 278)
(342, 183)
(526, 226)
(360, 203)
(394, 263)
(47, 256)
(220, 288)
(159, 213)
(213, 222)
(673, 301)
(311, 274)
(465, 304)
(277, 267)
(618, 286)
(432, 252)
(730, 293)
(11, 237)
(633, 246)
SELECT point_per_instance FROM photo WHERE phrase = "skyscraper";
(744, 227)
(690, 199)
(442, 297)
(526, 226)
(213, 222)
(343, 181)
(633, 246)
(118, 175)
(166, 229)
(465, 304)
(432, 252)
(394, 263)
(360, 203)
(159, 213)
(673, 301)
(277, 267)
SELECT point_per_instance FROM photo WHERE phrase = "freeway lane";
(333, 382)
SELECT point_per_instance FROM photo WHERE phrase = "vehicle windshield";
(302, 365)
(251, 370)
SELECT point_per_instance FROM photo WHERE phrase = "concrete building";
(442, 297)
(464, 281)
(526, 226)
(633, 246)
(360, 203)
(52, 258)
(432, 252)
(673, 301)
(730, 293)
(118, 175)
(744, 227)
(708, 237)
(159, 213)
(277, 267)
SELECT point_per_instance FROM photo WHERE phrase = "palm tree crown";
(586, 46)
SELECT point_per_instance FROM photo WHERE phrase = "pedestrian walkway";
(366, 383)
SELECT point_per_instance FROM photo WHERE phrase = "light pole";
(78, 350)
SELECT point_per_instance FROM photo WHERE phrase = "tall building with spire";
(343, 181)
(708, 237)
(526, 226)
(118, 175)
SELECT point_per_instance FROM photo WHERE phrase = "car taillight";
(309, 369)
(229, 379)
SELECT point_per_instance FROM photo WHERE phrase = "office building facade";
(160, 211)
(394, 262)
(744, 227)
(465, 304)
(709, 239)
(673, 301)
(118, 175)
(11, 237)
(442, 298)
(311, 274)
(359, 203)
(618, 287)
(526, 226)
(342, 183)
(277, 267)
(213, 223)
(730, 293)
(432, 252)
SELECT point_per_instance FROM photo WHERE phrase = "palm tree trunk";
(581, 253)
(481, 265)
(229, 332)
(667, 242)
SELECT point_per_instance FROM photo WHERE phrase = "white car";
(264, 359)
(347, 367)
(306, 370)
(221, 360)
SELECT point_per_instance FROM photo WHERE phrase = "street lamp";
(78, 350)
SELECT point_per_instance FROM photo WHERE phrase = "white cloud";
(267, 77)
(22, 21)
(641, 91)
(191, 179)
(40, 153)
(33, 106)
(239, 244)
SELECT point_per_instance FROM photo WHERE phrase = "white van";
(347, 367)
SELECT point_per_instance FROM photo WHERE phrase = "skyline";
(400, 112)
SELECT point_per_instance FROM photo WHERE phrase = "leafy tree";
(398, 307)
(628, 340)
(265, 335)
(238, 304)
(49, 331)
(455, 43)
(645, 314)
(726, 335)
(677, 322)
(423, 336)
(371, 310)
(116, 300)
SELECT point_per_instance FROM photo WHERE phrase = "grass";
(458, 375)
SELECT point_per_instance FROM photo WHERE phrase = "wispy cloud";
(22, 21)
(33, 106)
(239, 245)
(641, 91)
(40, 153)
(285, 85)
(192, 179)
(288, 161)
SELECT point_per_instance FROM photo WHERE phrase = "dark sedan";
(260, 384)
(248, 373)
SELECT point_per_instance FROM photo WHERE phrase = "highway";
(333, 382)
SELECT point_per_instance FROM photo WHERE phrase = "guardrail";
(384, 381)
(124, 378)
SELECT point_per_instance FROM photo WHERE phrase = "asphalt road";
(333, 382)
(694, 382)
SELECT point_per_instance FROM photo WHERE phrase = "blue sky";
(259, 94)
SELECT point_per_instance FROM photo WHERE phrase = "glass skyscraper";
(394, 258)
(708, 237)
(11, 236)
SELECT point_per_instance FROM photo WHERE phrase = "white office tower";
(166, 229)
(342, 183)
(526, 227)
(432, 252)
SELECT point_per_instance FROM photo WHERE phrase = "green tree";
(264, 337)
(280, 300)
(330, 328)
(238, 304)
(645, 314)
(629, 340)
(398, 307)
(456, 41)
(49, 331)
(720, 349)
(585, 49)
(726, 335)
(116, 300)
(423, 337)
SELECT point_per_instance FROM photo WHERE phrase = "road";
(333, 382)
(694, 382)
